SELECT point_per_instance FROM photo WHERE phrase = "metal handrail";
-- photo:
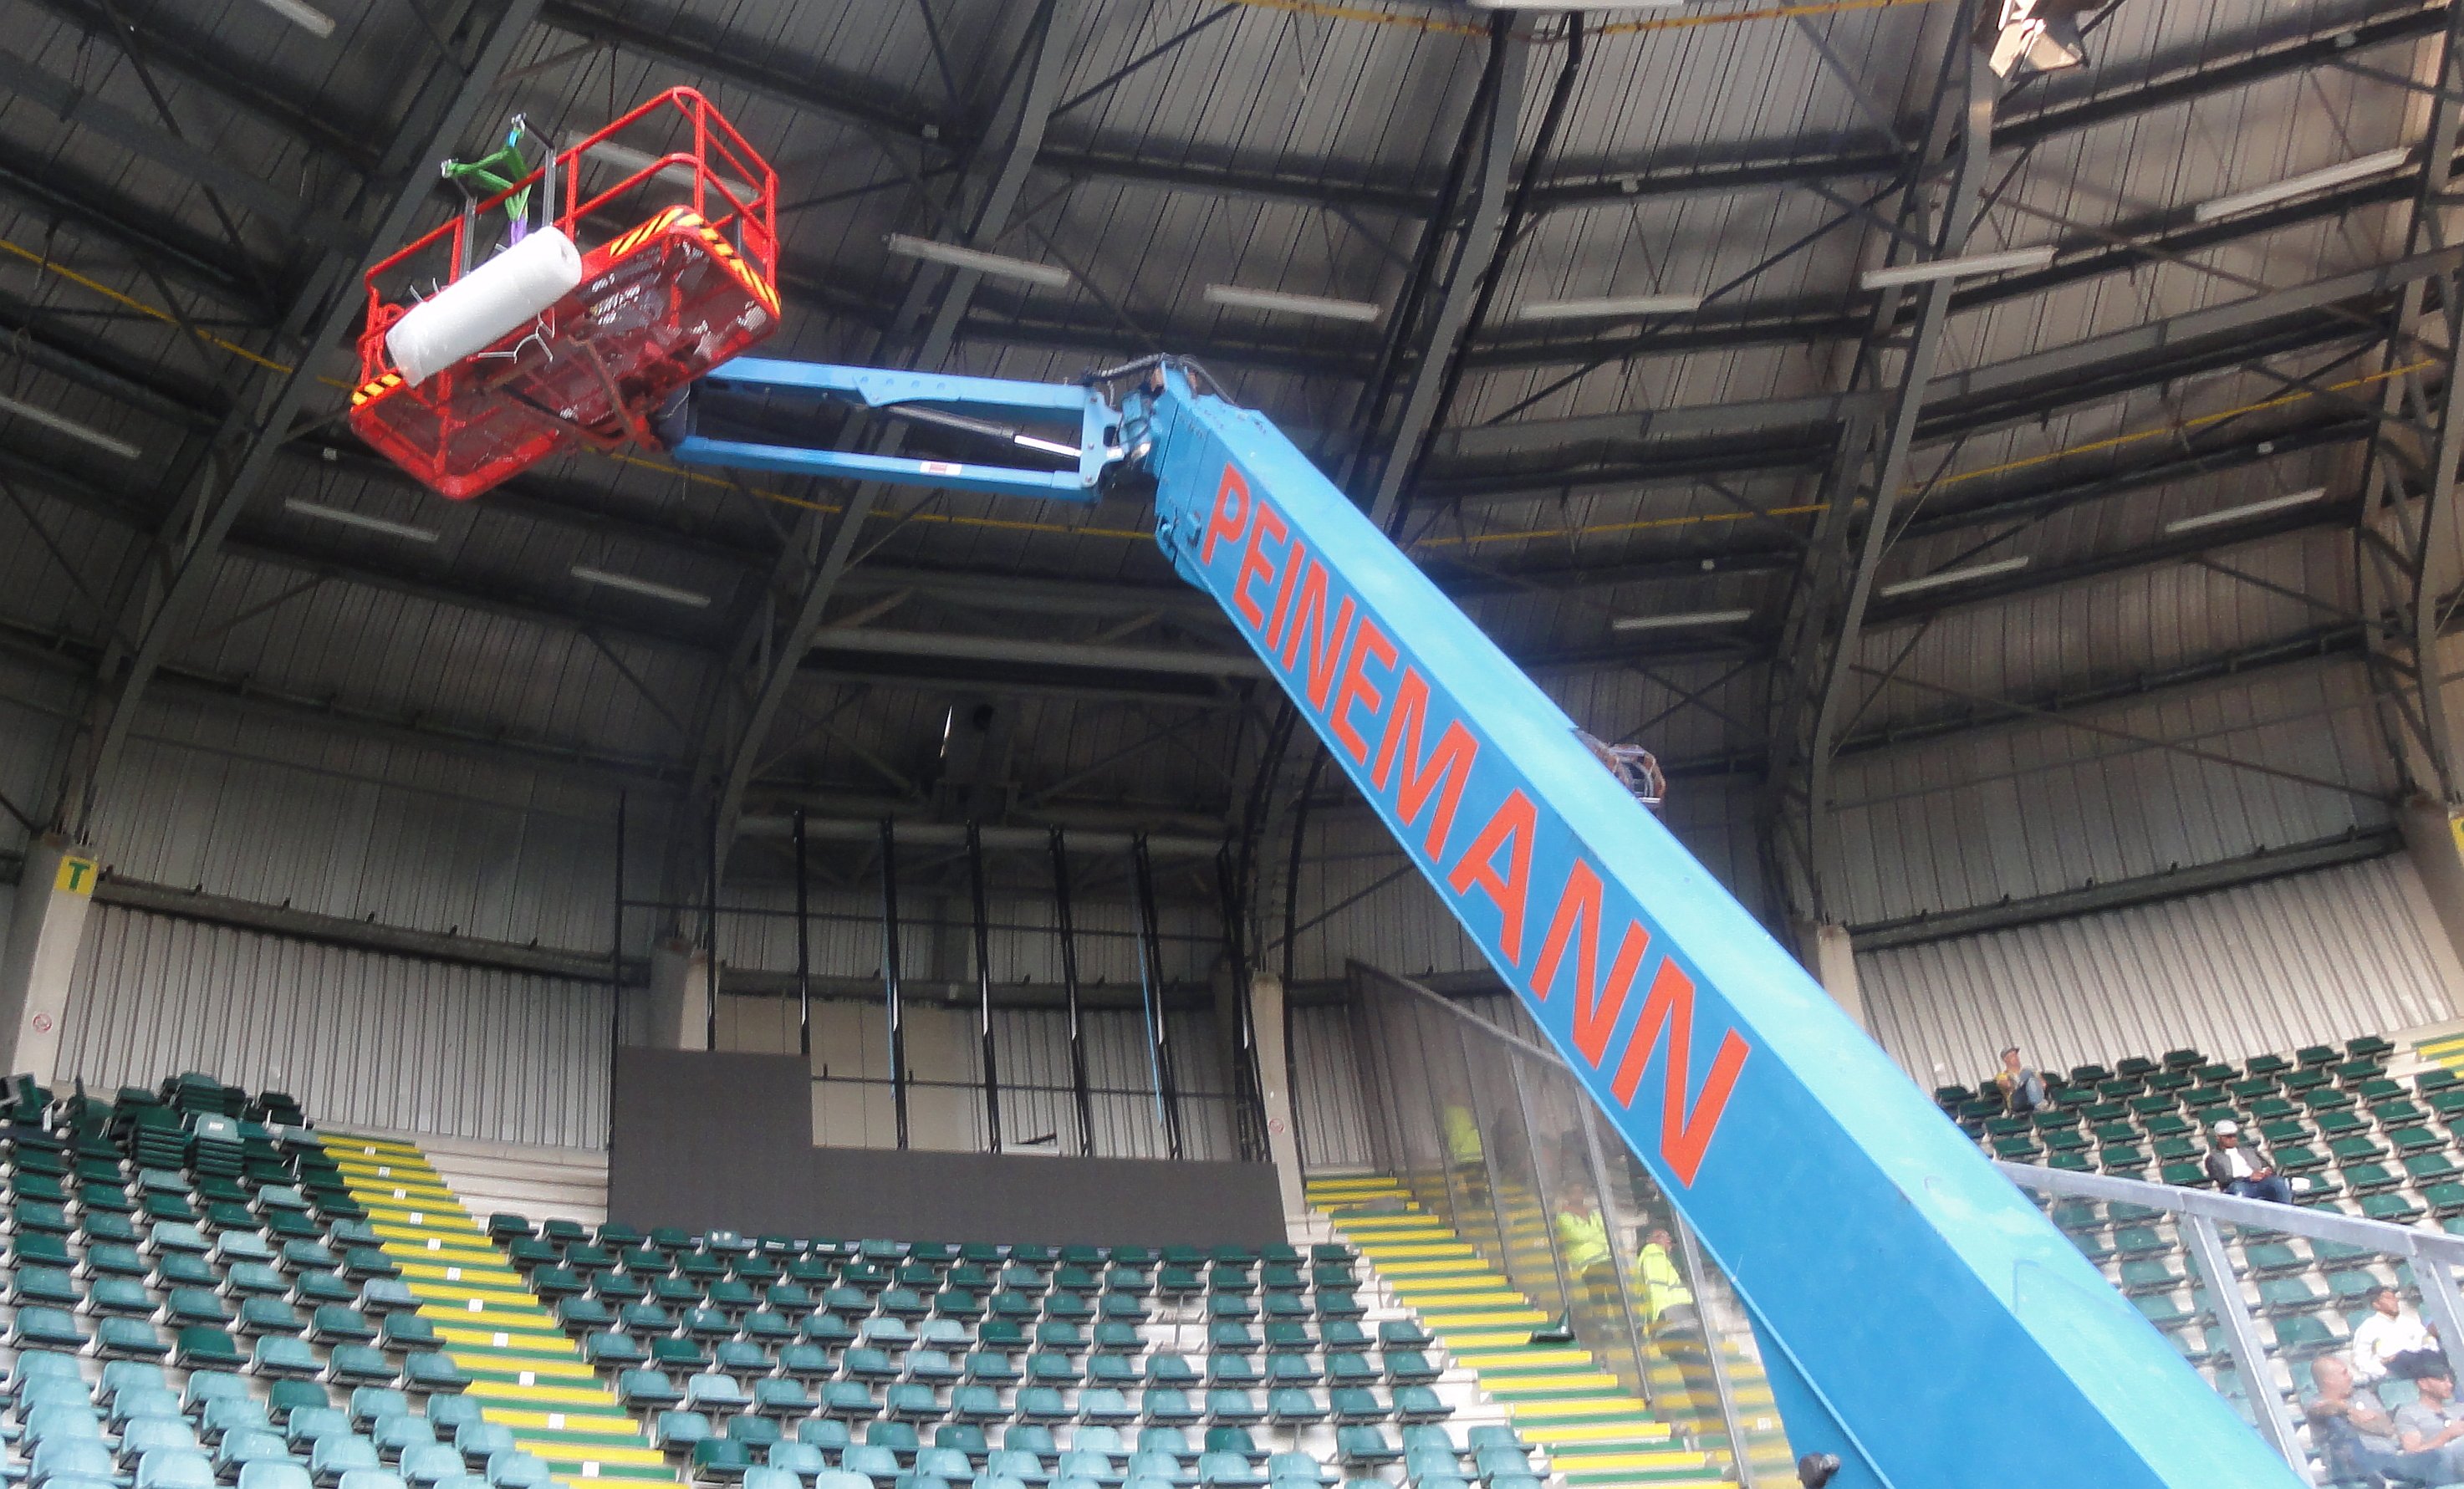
(2198, 1212)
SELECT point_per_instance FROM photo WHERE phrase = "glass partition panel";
(2312, 1323)
(2297, 1315)
(1489, 1134)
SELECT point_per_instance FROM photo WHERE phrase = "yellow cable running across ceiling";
(51, 265)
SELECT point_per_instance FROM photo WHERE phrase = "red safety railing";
(689, 195)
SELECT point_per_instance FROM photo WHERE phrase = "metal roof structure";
(1964, 589)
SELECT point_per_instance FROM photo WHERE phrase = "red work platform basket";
(683, 276)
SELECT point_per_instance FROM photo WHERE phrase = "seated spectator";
(2357, 1437)
(1668, 1302)
(2023, 1089)
(2434, 1423)
(2395, 1342)
(2236, 1171)
(1583, 1245)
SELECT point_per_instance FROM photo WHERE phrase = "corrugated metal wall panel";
(2270, 966)
(2035, 809)
(854, 1106)
(355, 827)
(1378, 908)
(1328, 1112)
(391, 1042)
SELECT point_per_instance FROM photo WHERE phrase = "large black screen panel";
(708, 1140)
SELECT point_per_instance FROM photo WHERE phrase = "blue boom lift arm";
(1919, 1316)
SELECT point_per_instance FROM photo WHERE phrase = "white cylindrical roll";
(505, 292)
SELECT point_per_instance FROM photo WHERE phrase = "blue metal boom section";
(1925, 1321)
(883, 389)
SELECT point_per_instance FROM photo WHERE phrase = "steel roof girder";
(2408, 482)
(320, 314)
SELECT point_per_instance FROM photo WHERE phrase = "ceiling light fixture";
(307, 18)
(1955, 577)
(999, 267)
(62, 424)
(1932, 269)
(2247, 508)
(1613, 308)
(2303, 185)
(638, 586)
(1680, 621)
(2031, 37)
(358, 519)
(627, 159)
(1276, 303)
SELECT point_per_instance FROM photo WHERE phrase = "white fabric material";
(501, 295)
(2237, 1163)
(2379, 1339)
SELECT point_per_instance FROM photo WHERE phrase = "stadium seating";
(2354, 1136)
(199, 1300)
(2355, 1139)
(1015, 1367)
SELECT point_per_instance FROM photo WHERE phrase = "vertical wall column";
(54, 891)
(2433, 839)
(680, 995)
(1827, 952)
(1274, 1089)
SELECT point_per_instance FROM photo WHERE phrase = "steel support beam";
(192, 53)
(2122, 893)
(2018, 387)
(1813, 675)
(2403, 548)
(716, 53)
(738, 724)
(190, 542)
(1476, 240)
(246, 189)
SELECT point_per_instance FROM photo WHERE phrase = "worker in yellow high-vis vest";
(1668, 1302)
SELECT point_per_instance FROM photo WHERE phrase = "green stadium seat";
(358, 1365)
(2150, 1274)
(284, 1354)
(2302, 1335)
(2394, 1209)
(2407, 1140)
(2341, 1121)
(2432, 1168)
(46, 1328)
(806, 1362)
(1364, 1446)
(128, 1339)
(431, 1371)
(977, 1402)
(912, 1401)
(850, 1399)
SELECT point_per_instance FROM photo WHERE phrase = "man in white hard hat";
(2239, 1173)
